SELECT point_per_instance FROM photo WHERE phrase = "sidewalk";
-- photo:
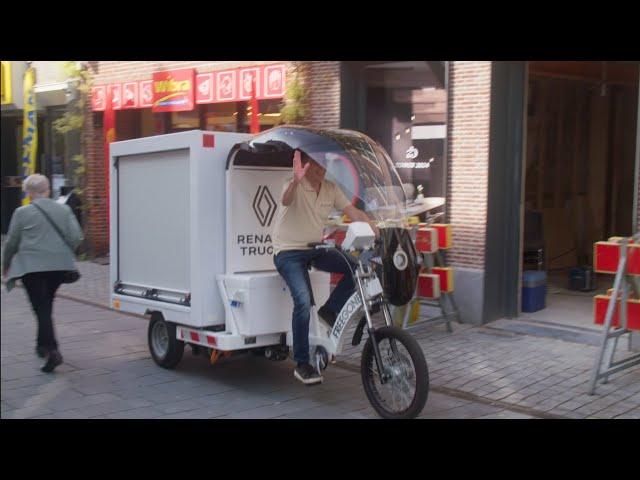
(108, 373)
(508, 368)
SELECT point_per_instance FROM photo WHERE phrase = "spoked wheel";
(405, 391)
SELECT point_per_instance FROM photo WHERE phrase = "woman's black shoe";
(53, 361)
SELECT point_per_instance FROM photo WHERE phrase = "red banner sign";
(204, 88)
(98, 98)
(116, 96)
(173, 90)
(226, 90)
(145, 91)
(130, 95)
(247, 78)
(273, 82)
(181, 90)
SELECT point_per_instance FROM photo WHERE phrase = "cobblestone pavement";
(108, 373)
(506, 369)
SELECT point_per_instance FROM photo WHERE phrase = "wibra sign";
(180, 90)
(173, 90)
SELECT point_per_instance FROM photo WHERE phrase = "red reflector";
(211, 340)
(195, 337)
(207, 141)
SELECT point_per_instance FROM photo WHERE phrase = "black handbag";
(69, 276)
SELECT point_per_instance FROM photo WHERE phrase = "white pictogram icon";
(412, 152)
(275, 80)
(146, 93)
(248, 83)
(203, 88)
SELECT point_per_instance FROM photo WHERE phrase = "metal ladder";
(604, 365)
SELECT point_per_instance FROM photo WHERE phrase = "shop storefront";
(402, 105)
(457, 130)
(154, 98)
(55, 151)
(184, 99)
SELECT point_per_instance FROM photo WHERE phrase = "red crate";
(446, 278)
(444, 235)
(606, 257)
(601, 303)
(427, 240)
(429, 285)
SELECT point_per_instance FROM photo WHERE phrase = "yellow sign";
(29, 129)
(5, 83)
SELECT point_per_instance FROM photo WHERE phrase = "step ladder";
(624, 281)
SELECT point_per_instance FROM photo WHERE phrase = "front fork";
(384, 377)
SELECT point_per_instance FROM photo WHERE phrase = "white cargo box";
(167, 224)
(261, 302)
(191, 236)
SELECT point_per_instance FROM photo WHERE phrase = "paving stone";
(116, 378)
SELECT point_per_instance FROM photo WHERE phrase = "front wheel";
(405, 391)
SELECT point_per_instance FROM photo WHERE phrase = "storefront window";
(181, 121)
(221, 117)
(406, 112)
(236, 116)
(59, 150)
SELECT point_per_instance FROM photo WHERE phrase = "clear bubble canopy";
(353, 161)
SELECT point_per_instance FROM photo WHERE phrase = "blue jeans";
(292, 265)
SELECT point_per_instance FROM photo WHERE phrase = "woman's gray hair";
(36, 185)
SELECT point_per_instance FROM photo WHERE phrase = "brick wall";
(324, 94)
(96, 232)
(468, 160)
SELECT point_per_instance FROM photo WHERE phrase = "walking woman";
(39, 250)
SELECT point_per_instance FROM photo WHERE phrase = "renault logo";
(264, 205)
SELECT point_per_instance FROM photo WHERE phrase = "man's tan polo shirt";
(303, 220)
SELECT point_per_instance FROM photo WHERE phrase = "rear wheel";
(405, 391)
(165, 348)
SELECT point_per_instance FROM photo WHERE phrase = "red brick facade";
(324, 94)
(468, 160)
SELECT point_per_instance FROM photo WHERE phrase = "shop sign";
(274, 81)
(173, 90)
(180, 90)
(5, 84)
(145, 91)
(204, 88)
(247, 77)
(130, 95)
(226, 86)
(98, 98)
(116, 96)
